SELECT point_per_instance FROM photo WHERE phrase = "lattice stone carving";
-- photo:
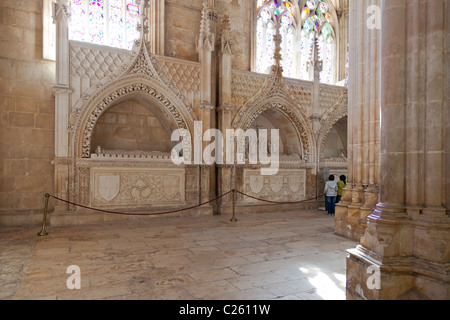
(94, 64)
(185, 77)
(329, 95)
(245, 85)
(301, 93)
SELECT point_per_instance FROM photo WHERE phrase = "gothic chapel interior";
(91, 92)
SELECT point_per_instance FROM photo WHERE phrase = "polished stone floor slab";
(292, 256)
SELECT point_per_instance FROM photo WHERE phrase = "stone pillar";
(343, 40)
(404, 251)
(434, 125)
(447, 116)
(206, 170)
(225, 109)
(371, 124)
(316, 109)
(342, 209)
(224, 171)
(352, 83)
(62, 92)
(416, 107)
(157, 27)
(348, 211)
(361, 195)
(386, 235)
(206, 46)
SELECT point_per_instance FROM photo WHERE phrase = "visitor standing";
(341, 186)
(330, 191)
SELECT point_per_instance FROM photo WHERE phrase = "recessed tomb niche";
(289, 144)
(336, 143)
(131, 128)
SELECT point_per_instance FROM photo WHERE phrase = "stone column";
(206, 46)
(342, 209)
(371, 124)
(224, 172)
(343, 40)
(388, 235)
(447, 116)
(225, 109)
(62, 92)
(415, 114)
(348, 212)
(317, 67)
(157, 22)
(434, 125)
(407, 241)
(206, 170)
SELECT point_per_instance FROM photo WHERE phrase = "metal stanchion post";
(234, 207)
(43, 233)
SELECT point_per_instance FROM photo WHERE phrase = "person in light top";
(331, 189)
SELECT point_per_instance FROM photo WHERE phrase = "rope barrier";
(141, 214)
(43, 233)
(276, 202)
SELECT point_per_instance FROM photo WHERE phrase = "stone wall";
(130, 126)
(182, 24)
(26, 111)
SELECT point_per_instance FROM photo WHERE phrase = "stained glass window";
(317, 25)
(105, 22)
(270, 13)
(301, 25)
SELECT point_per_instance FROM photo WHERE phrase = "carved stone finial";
(207, 36)
(277, 39)
(226, 39)
(60, 7)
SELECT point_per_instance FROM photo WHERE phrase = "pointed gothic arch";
(287, 108)
(140, 75)
(143, 88)
(336, 113)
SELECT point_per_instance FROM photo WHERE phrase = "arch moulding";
(279, 102)
(336, 113)
(173, 109)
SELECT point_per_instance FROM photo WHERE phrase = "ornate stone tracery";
(182, 92)
(274, 94)
(333, 115)
(118, 94)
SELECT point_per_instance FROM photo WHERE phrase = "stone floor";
(293, 256)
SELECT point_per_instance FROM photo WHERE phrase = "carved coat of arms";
(276, 183)
(109, 187)
(256, 183)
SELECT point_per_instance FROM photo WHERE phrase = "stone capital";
(225, 108)
(206, 106)
(57, 90)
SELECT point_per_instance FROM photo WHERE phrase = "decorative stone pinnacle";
(206, 37)
(226, 39)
